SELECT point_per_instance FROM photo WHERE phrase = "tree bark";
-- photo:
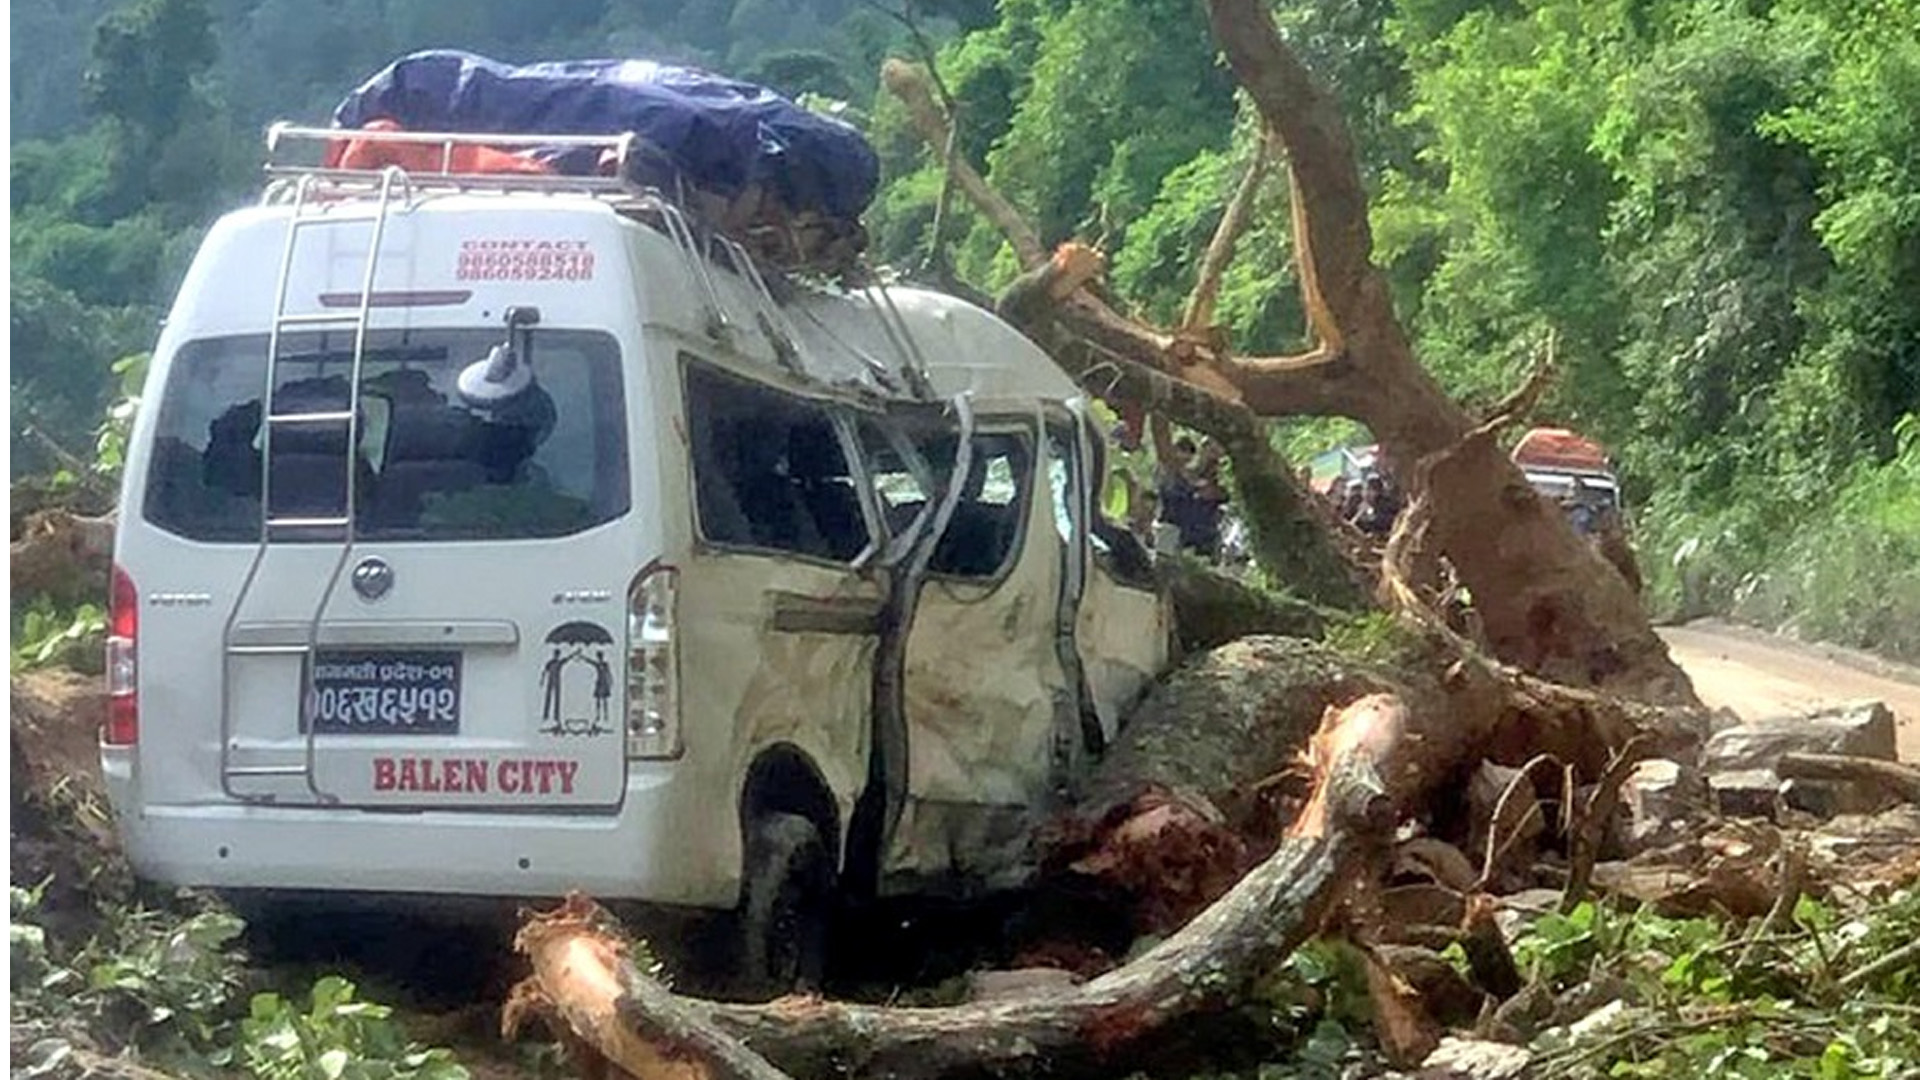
(1198, 314)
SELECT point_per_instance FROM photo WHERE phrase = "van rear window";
(428, 465)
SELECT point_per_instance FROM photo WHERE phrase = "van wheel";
(785, 908)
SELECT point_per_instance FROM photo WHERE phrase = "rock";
(1517, 912)
(1437, 861)
(1863, 729)
(1724, 871)
(1746, 793)
(1421, 905)
(1475, 1059)
(1659, 803)
(1018, 983)
(1444, 993)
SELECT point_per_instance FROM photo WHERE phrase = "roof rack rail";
(625, 147)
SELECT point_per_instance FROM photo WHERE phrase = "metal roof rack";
(672, 214)
(626, 149)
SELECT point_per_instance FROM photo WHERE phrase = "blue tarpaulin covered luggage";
(719, 134)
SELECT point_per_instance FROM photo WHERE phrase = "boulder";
(1742, 759)
(1863, 729)
(1660, 800)
(1746, 793)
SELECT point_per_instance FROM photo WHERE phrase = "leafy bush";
(1822, 997)
(335, 1038)
(1852, 575)
(45, 635)
(169, 990)
(150, 982)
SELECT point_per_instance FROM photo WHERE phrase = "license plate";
(382, 692)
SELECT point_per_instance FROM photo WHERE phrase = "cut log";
(1369, 767)
(1890, 776)
(1191, 790)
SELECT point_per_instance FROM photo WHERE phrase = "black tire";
(786, 906)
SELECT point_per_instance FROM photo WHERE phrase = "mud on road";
(1760, 675)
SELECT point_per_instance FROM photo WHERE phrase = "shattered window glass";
(769, 470)
(427, 464)
(984, 535)
(910, 457)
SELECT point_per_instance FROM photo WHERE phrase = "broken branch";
(910, 83)
(1206, 289)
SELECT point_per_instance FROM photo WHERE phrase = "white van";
(645, 576)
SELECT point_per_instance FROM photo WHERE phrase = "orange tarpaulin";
(1559, 448)
(423, 157)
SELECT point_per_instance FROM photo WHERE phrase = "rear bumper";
(637, 854)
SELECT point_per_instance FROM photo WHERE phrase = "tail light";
(653, 666)
(123, 663)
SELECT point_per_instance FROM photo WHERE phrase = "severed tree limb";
(911, 84)
(1372, 763)
(1199, 310)
(585, 979)
(1080, 313)
(1332, 238)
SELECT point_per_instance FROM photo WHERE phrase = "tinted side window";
(428, 466)
(769, 470)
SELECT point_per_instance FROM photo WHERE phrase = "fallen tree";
(1545, 600)
(1551, 613)
(1372, 768)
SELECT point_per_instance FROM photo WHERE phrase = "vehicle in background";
(1573, 471)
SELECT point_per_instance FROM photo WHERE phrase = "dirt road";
(1759, 675)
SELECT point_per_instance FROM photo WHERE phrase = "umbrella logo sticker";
(576, 681)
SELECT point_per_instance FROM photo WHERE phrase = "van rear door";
(469, 626)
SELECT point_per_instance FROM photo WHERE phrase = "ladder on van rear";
(271, 524)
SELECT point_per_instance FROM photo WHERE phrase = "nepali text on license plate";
(380, 692)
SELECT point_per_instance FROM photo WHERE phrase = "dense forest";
(1711, 207)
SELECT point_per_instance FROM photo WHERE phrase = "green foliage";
(335, 1038)
(169, 989)
(44, 635)
(1373, 637)
(1702, 997)
(1089, 142)
(151, 981)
